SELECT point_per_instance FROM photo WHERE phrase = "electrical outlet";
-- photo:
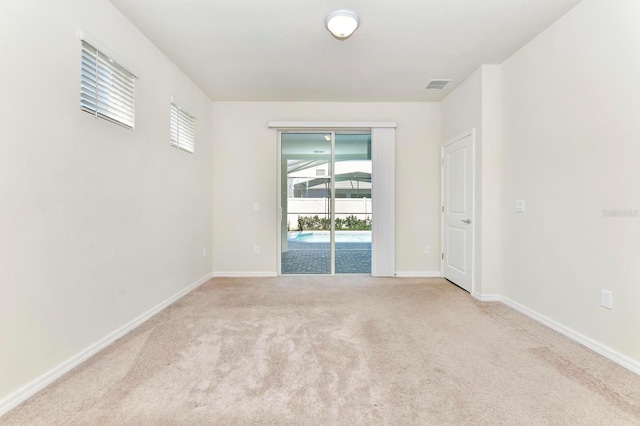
(520, 206)
(606, 299)
(256, 207)
(427, 250)
(256, 249)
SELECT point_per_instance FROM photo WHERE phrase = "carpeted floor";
(345, 350)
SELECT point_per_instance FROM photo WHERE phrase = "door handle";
(467, 221)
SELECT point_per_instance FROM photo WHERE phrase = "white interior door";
(457, 216)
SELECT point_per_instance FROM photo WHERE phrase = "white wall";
(492, 238)
(475, 104)
(570, 131)
(245, 156)
(462, 111)
(98, 223)
(462, 108)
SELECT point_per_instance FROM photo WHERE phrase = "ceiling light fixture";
(342, 23)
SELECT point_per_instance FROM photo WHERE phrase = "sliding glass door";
(352, 203)
(325, 199)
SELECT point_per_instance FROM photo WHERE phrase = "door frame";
(472, 133)
(386, 236)
(332, 230)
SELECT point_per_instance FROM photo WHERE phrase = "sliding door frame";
(383, 143)
(332, 205)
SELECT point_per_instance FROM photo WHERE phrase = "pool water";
(323, 236)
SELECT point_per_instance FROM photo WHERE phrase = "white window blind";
(183, 128)
(107, 89)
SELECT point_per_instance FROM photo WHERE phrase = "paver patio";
(314, 258)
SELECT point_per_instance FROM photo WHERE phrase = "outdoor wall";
(99, 224)
(310, 207)
(570, 137)
(245, 163)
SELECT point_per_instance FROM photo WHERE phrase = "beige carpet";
(338, 351)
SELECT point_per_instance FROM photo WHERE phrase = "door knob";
(467, 221)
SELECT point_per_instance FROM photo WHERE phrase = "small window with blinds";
(107, 90)
(183, 128)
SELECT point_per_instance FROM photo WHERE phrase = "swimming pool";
(323, 236)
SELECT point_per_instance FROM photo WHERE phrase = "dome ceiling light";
(342, 23)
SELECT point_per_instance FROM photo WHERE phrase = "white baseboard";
(607, 352)
(231, 274)
(27, 391)
(266, 274)
(487, 297)
(418, 274)
(22, 394)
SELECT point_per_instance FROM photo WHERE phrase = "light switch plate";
(520, 206)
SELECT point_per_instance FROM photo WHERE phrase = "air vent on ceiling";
(437, 84)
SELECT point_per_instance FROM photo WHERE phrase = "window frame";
(107, 89)
(182, 125)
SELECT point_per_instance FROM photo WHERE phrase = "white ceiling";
(280, 50)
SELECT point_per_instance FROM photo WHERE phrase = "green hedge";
(350, 223)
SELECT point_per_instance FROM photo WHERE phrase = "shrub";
(350, 223)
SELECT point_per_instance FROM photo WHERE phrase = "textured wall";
(245, 163)
(570, 137)
(98, 223)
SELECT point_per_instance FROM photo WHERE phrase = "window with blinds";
(107, 90)
(183, 128)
